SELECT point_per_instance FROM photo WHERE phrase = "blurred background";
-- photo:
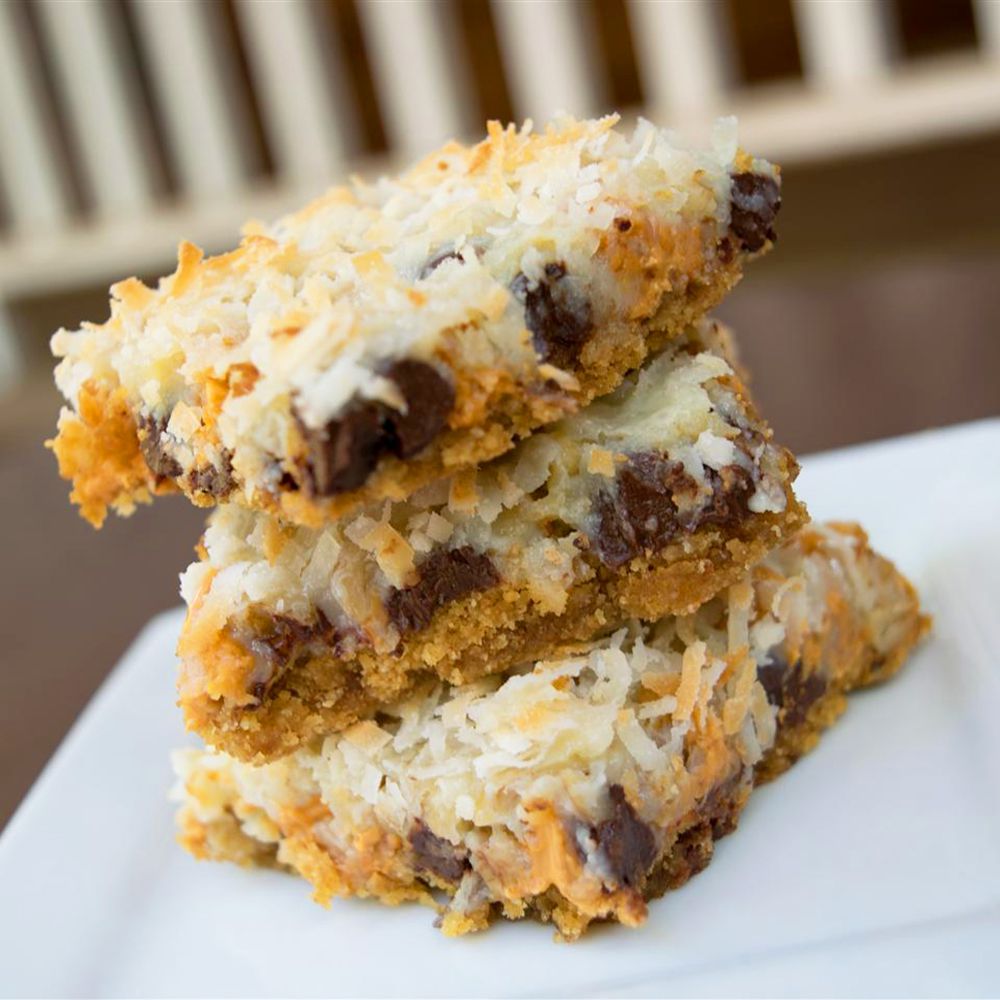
(130, 124)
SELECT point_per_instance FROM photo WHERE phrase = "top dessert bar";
(389, 334)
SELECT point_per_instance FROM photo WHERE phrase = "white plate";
(873, 867)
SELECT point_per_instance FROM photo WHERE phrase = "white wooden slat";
(988, 26)
(305, 125)
(948, 97)
(11, 358)
(544, 44)
(422, 103)
(931, 101)
(684, 55)
(845, 43)
(133, 243)
(192, 79)
(87, 57)
(34, 192)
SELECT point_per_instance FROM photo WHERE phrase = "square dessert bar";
(580, 787)
(648, 502)
(395, 333)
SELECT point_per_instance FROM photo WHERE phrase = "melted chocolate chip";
(791, 690)
(429, 398)
(614, 538)
(652, 491)
(655, 500)
(445, 576)
(755, 200)
(342, 455)
(279, 639)
(807, 689)
(627, 842)
(217, 482)
(434, 854)
(731, 486)
(772, 680)
(556, 313)
(160, 462)
(645, 510)
(283, 635)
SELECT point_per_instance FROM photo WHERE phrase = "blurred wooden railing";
(128, 123)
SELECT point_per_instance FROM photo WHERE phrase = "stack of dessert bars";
(505, 602)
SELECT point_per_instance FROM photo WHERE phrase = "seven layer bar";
(646, 503)
(581, 787)
(391, 334)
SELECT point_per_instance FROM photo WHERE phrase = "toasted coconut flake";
(687, 690)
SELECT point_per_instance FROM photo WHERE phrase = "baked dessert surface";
(648, 502)
(390, 334)
(578, 788)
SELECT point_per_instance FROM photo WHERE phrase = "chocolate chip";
(652, 491)
(754, 203)
(429, 398)
(644, 512)
(731, 486)
(627, 842)
(808, 689)
(215, 481)
(614, 537)
(284, 634)
(655, 499)
(557, 314)
(445, 576)
(160, 462)
(772, 679)
(342, 455)
(623, 225)
(434, 854)
(792, 690)
(278, 640)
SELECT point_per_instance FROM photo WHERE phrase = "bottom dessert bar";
(581, 787)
